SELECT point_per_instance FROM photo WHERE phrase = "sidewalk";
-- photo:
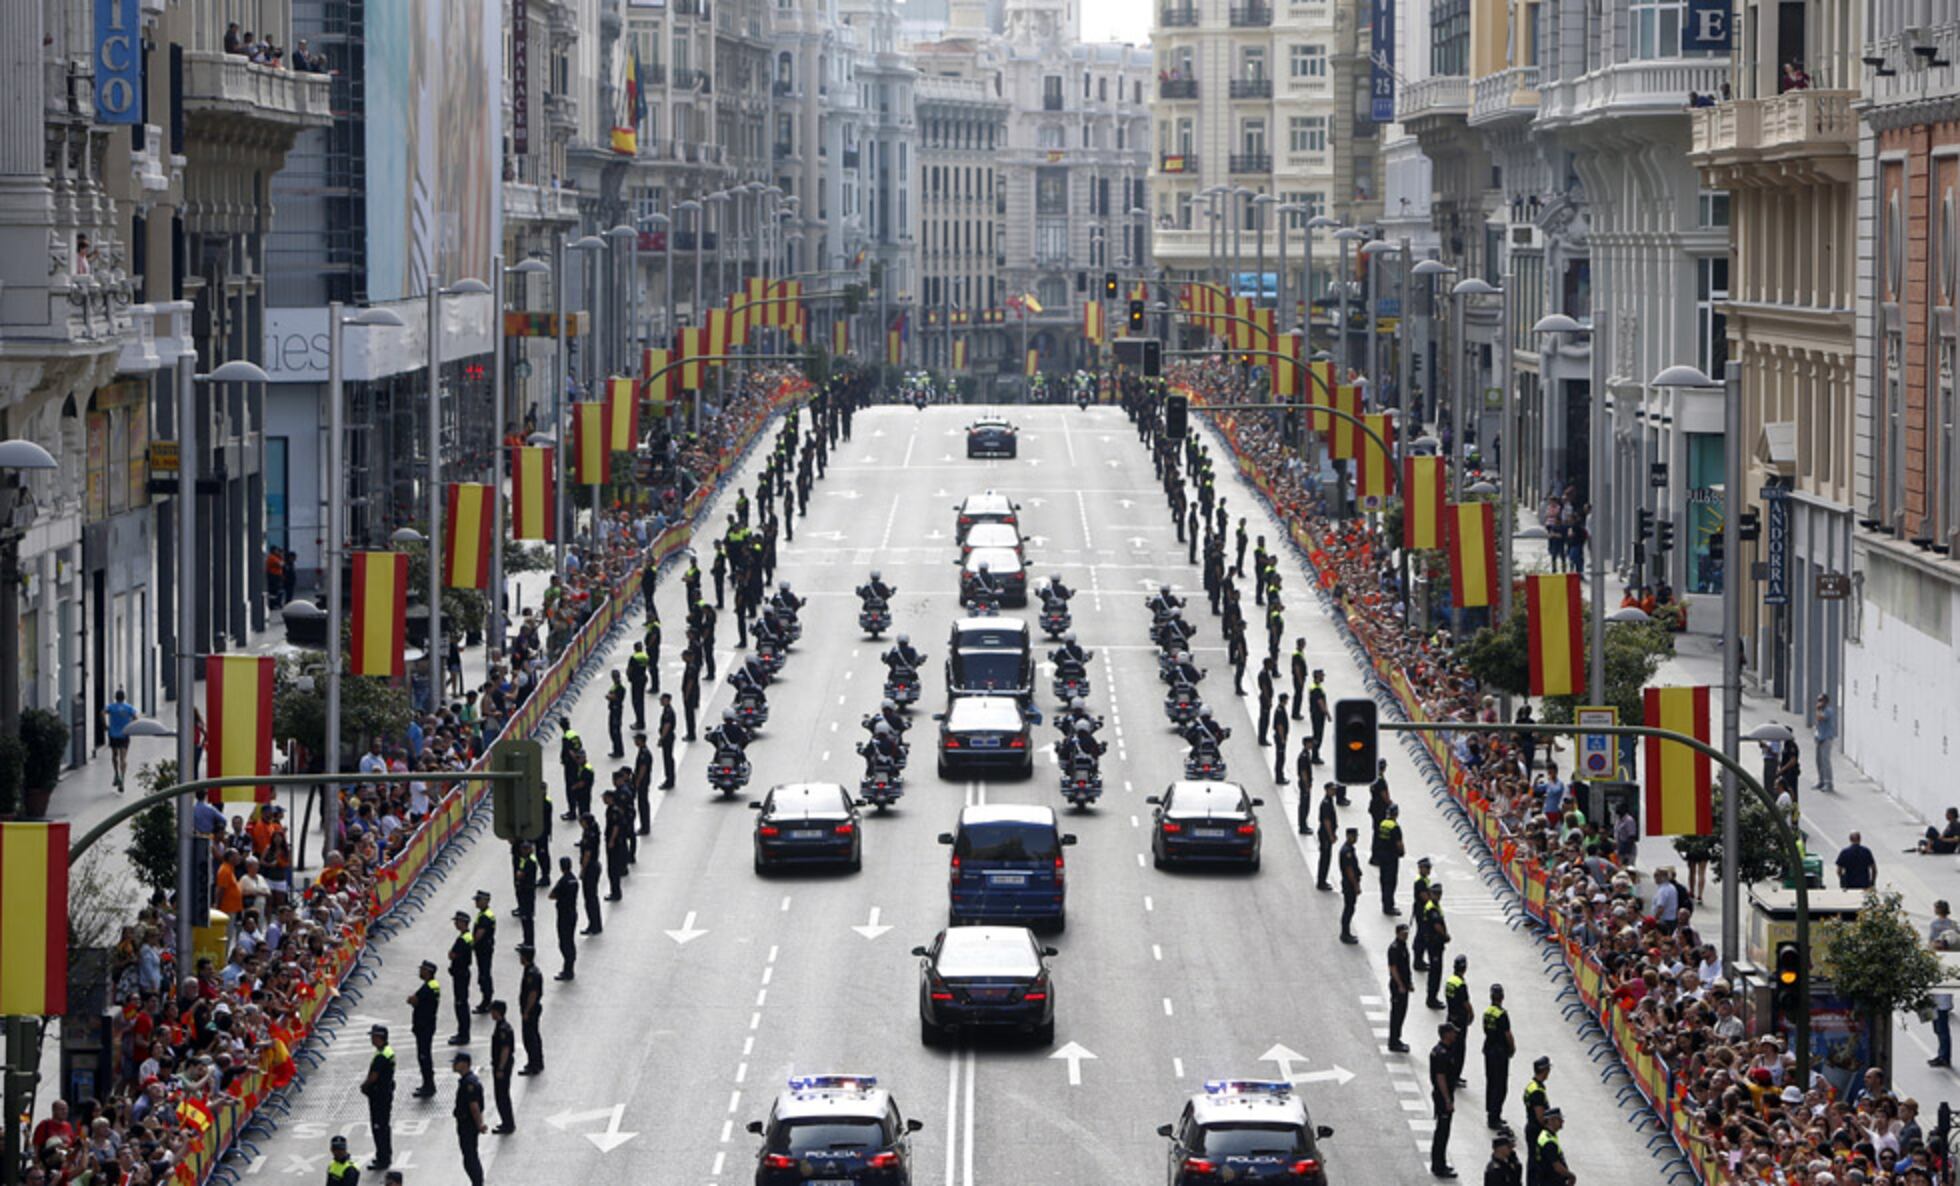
(1858, 803)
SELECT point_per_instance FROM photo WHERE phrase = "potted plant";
(44, 743)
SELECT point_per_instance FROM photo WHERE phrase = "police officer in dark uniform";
(1350, 886)
(469, 1115)
(503, 1064)
(1500, 1044)
(636, 678)
(667, 728)
(617, 834)
(379, 1088)
(1267, 673)
(1299, 671)
(1442, 1097)
(589, 842)
(1326, 830)
(1504, 1169)
(1281, 728)
(1439, 938)
(1386, 855)
(582, 782)
(642, 786)
(1537, 1101)
(1317, 709)
(530, 1008)
(462, 958)
(568, 760)
(1456, 1002)
(426, 1000)
(1419, 897)
(1401, 985)
(1547, 1156)
(564, 899)
(616, 715)
(690, 687)
(341, 1170)
(483, 940)
(524, 887)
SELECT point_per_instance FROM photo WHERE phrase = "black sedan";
(984, 732)
(992, 438)
(807, 823)
(1205, 821)
(991, 978)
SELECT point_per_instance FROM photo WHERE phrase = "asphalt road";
(710, 985)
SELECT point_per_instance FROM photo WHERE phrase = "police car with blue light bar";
(834, 1130)
(1245, 1130)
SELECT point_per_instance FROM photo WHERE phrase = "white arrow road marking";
(1137, 541)
(1125, 503)
(1037, 502)
(877, 432)
(942, 494)
(1113, 463)
(1284, 1057)
(872, 928)
(1074, 1054)
(688, 933)
(842, 494)
(1035, 460)
(606, 1141)
(945, 457)
(1337, 1075)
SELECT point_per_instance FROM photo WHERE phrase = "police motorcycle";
(1081, 774)
(1162, 604)
(787, 604)
(1172, 632)
(1075, 712)
(883, 780)
(728, 769)
(1182, 703)
(875, 614)
(902, 673)
(751, 702)
(771, 648)
(1055, 617)
(1071, 680)
(981, 593)
(1205, 735)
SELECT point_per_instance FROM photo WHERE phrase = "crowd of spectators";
(1735, 1082)
(262, 51)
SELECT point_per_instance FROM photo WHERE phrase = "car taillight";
(1172, 827)
(777, 1161)
(965, 520)
(768, 830)
(1248, 829)
(1305, 1166)
(887, 1160)
(1060, 870)
(952, 743)
(1200, 1165)
(1020, 742)
(846, 829)
(1008, 519)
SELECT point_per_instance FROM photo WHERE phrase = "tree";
(1877, 961)
(1762, 854)
(369, 707)
(152, 847)
(1500, 658)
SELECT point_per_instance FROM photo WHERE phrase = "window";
(1314, 202)
(1711, 325)
(1252, 63)
(1449, 38)
(1306, 133)
(1049, 136)
(1051, 191)
(1714, 208)
(1252, 137)
(1051, 93)
(1307, 61)
(1654, 28)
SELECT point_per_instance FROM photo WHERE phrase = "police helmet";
(728, 714)
(1069, 637)
(876, 575)
(904, 640)
(1077, 705)
(884, 730)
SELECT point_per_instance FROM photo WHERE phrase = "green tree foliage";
(1500, 658)
(152, 849)
(1877, 960)
(1762, 846)
(44, 736)
(369, 707)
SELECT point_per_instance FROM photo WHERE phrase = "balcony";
(1178, 16)
(1426, 104)
(1177, 162)
(781, 88)
(1178, 88)
(690, 80)
(526, 202)
(1251, 162)
(1251, 16)
(1630, 88)
(1504, 96)
(1797, 124)
(784, 150)
(561, 112)
(228, 87)
(1051, 102)
(1252, 88)
(1181, 247)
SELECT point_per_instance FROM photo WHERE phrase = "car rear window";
(998, 560)
(808, 799)
(829, 1134)
(997, 955)
(1250, 1140)
(1208, 801)
(1007, 842)
(992, 638)
(990, 669)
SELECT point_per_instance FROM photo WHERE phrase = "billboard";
(434, 127)
(1381, 57)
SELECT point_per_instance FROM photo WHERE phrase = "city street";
(710, 984)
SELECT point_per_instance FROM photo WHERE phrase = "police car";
(1245, 1130)
(829, 1130)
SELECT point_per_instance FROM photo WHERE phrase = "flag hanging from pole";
(741, 316)
(1472, 538)
(466, 526)
(1555, 624)
(717, 335)
(1374, 464)
(622, 416)
(1680, 801)
(840, 337)
(632, 109)
(1422, 502)
(1320, 394)
(238, 722)
(659, 379)
(591, 460)
(1092, 322)
(34, 919)
(692, 344)
(1284, 370)
(1264, 331)
(1033, 361)
(380, 627)
(959, 353)
(1346, 442)
(533, 492)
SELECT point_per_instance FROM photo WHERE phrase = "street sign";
(1657, 475)
(1598, 759)
(1776, 550)
(1833, 586)
(163, 457)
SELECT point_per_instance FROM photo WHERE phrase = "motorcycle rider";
(749, 679)
(1174, 632)
(1076, 711)
(903, 659)
(784, 602)
(1080, 742)
(1164, 601)
(884, 746)
(1070, 658)
(1205, 731)
(1185, 673)
(983, 591)
(1055, 595)
(889, 713)
(875, 593)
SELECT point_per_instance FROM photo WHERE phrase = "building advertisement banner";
(1381, 58)
(520, 77)
(1707, 27)
(118, 62)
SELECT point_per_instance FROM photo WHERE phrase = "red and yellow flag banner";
(692, 343)
(1320, 394)
(799, 330)
(33, 919)
(238, 720)
(659, 380)
(790, 310)
(1376, 463)
(1680, 801)
(622, 416)
(591, 460)
(1034, 362)
(1092, 321)
(717, 340)
(1238, 325)
(840, 337)
(959, 353)
(1422, 502)
(380, 628)
(1555, 625)
(1472, 538)
(467, 543)
(533, 492)
(741, 315)
(1264, 322)
(894, 347)
(1345, 445)
(1285, 370)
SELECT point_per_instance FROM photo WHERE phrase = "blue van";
(1008, 867)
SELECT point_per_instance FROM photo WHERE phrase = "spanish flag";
(693, 343)
(894, 347)
(1555, 626)
(1034, 362)
(1092, 322)
(717, 333)
(740, 315)
(792, 309)
(380, 632)
(1472, 538)
(1238, 323)
(799, 330)
(1263, 331)
(1346, 437)
(591, 459)
(659, 379)
(959, 353)
(840, 337)
(1029, 303)
(1678, 778)
(1320, 394)
(1140, 291)
(33, 919)
(238, 716)
(1422, 502)
(622, 415)
(757, 289)
(194, 1115)
(466, 529)
(1285, 369)
(1373, 467)
(533, 492)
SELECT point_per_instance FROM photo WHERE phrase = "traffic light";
(1788, 973)
(1664, 542)
(1153, 358)
(1109, 285)
(1177, 410)
(517, 810)
(1357, 742)
(201, 876)
(1136, 317)
(1644, 527)
(1750, 525)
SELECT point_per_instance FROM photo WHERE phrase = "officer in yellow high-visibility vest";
(1537, 1102)
(379, 1088)
(341, 1170)
(1386, 856)
(1547, 1157)
(1456, 999)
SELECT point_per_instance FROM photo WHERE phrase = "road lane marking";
(1177, 1068)
(1168, 1011)
(720, 1157)
(734, 1101)
(1148, 905)
(785, 908)
(966, 1152)
(741, 1072)
(952, 1115)
(1156, 951)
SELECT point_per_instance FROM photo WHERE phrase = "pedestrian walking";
(1401, 983)
(1942, 1030)
(468, 1111)
(1326, 832)
(666, 727)
(117, 718)
(616, 715)
(1857, 868)
(1500, 1046)
(1350, 885)
(589, 842)
(564, 897)
(1298, 667)
(503, 1064)
(426, 1001)
(1268, 672)
(1825, 729)
(1442, 1098)
(530, 1008)
(379, 1089)
(483, 943)
(1386, 855)
(1280, 730)
(341, 1170)
(462, 961)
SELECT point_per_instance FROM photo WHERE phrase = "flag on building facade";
(1376, 462)
(238, 722)
(1680, 785)
(534, 492)
(1555, 617)
(466, 531)
(33, 919)
(895, 335)
(622, 415)
(1033, 362)
(380, 626)
(1472, 541)
(1423, 484)
(741, 315)
(591, 459)
(1092, 322)
(632, 109)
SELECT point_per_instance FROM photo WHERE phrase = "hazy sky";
(1116, 20)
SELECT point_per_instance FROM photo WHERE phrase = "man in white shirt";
(1667, 900)
(372, 762)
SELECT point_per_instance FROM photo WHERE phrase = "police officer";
(483, 940)
(1439, 938)
(468, 1111)
(1267, 672)
(1386, 855)
(667, 730)
(1280, 731)
(568, 759)
(1299, 672)
(618, 833)
(379, 1088)
(642, 787)
(1504, 1169)
(1456, 1000)
(462, 959)
(636, 679)
(524, 887)
(690, 692)
(341, 1170)
(582, 783)
(530, 1008)
(1401, 984)
(1442, 1097)
(1547, 1156)
(503, 1064)
(1326, 829)
(1419, 895)
(564, 898)
(616, 715)
(1317, 709)
(589, 842)
(426, 1000)
(1537, 1101)
(1350, 886)
(1500, 1044)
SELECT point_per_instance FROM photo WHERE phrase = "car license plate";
(806, 834)
(986, 743)
(1209, 833)
(989, 994)
(1007, 879)
(829, 1182)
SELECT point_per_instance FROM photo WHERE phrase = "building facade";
(963, 117)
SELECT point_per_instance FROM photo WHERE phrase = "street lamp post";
(1259, 203)
(1559, 323)
(1316, 223)
(1373, 251)
(665, 222)
(434, 639)
(1429, 269)
(629, 332)
(1507, 512)
(693, 206)
(499, 393)
(1346, 237)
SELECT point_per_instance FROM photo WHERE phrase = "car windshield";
(829, 1134)
(1007, 842)
(990, 669)
(1249, 1140)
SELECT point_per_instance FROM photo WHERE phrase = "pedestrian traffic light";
(1750, 525)
(1136, 317)
(1357, 741)
(1789, 972)
(1644, 526)
(1109, 285)
(517, 810)
(1176, 417)
(1664, 542)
